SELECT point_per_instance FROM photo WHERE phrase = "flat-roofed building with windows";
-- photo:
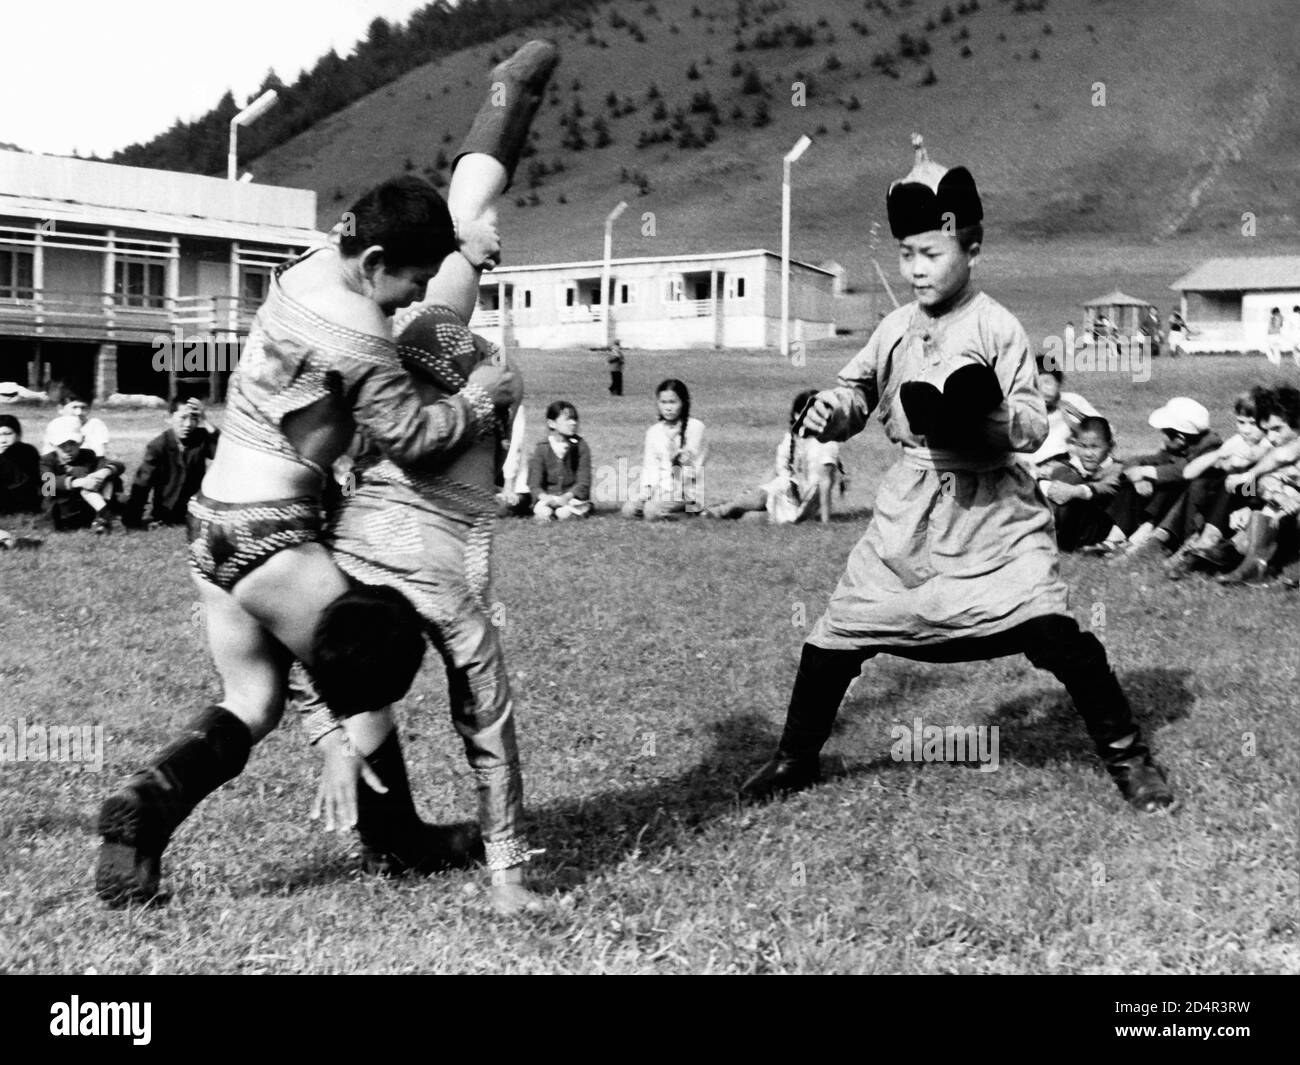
(100, 262)
(1226, 302)
(711, 300)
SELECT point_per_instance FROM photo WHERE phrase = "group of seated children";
(74, 484)
(1225, 506)
(557, 482)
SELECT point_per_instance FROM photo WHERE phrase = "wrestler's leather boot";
(501, 127)
(394, 840)
(783, 774)
(137, 823)
(1139, 779)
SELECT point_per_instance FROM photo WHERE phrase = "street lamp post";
(251, 113)
(607, 297)
(800, 146)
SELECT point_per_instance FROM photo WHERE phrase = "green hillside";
(1200, 121)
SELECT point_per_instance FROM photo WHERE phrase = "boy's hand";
(1059, 492)
(337, 794)
(480, 242)
(818, 414)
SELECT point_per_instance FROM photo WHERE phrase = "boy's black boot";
(137, 823)
(501, 126)
(819, 686)
(394, 840)
(1136, 774)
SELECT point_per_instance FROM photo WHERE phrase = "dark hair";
(176, 403)
(1094, 423)
(683, 393)
(1284, 403)
(366, 650)
(407, 218)
(1249, 404)
(968, 235)
(71, 394)
(1045, 361)
(560, 406)
(8, 421)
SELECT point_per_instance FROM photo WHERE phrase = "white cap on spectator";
(65, 428)
(1182, 415)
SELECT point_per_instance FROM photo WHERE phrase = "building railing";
(98, 315)
(690, 308)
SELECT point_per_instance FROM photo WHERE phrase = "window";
(139, 283)
(16, 274)
(627, 292)
(526, 299)
(674, 289)
(254, 284)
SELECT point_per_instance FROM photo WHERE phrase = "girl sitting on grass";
(675, 452)
(559, 477)
(807, 471)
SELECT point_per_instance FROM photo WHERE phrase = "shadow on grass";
(1042, 727)
(591, 834)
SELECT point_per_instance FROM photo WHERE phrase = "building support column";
(503, 315)
(105, 371)
(36, 369)
(716, 306)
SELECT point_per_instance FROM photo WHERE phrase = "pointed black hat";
(932, 197)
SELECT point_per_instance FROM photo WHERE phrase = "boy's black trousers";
(1054, 643)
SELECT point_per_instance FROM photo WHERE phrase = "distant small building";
(1226, 302)
(716, 300)
(1125, 313)
(98, 261)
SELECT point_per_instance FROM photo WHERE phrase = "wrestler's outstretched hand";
(502, 383)
(337, 795)
(818, 414)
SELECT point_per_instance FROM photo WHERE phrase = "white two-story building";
(714, 300)
(100, 263)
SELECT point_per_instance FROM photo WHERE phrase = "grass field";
(652, 665)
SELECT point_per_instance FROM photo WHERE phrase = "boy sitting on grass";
(75, 481)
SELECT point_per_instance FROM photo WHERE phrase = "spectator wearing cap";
(1154, 483)
(94, 432)
(173, 467)
(75, 480)
(20, 470)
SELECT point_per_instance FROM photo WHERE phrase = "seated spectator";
(1082, 491)
(75, 480)
(173, 467)
(1198, 522)
(1153, 483)
(515, 499)
(94, 431)
(675, 453)
(1276, 481)
(807, 472)
(559, 476)
(20, 470)
(1064, 412)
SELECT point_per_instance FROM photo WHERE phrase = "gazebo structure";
(1125, 313)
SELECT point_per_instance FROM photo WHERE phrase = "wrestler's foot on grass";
(782, 775)
(510, 899)
(1140, 781)
(129, 865)
(425, 849)
(509, 895)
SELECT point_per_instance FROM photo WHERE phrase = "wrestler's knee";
(1056, 641)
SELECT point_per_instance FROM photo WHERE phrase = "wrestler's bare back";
(320, 432)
